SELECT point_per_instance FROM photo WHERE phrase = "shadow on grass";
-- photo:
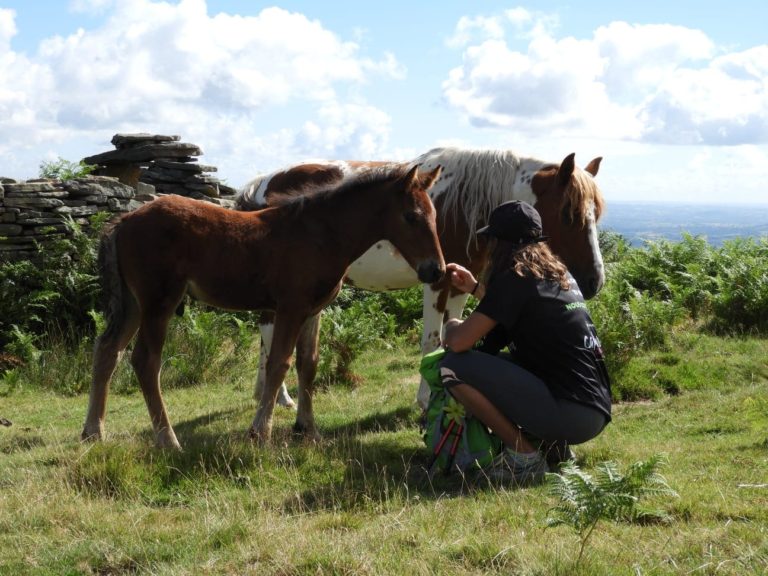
(358, 465)
(391, 421)
(20, 443)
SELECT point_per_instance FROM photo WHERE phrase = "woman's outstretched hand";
(461, 278)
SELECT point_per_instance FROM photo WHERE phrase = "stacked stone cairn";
(164, 163)
(143, 167)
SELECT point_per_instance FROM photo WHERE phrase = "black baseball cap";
(515, 221)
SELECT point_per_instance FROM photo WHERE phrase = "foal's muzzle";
(430, 272)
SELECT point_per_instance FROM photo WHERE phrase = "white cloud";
(659, 83)
(173, 68)
(468, 27)
(86, 6)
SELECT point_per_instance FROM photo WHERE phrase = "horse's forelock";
(582, 196)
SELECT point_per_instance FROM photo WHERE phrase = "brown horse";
(290, 258)
(472, 183)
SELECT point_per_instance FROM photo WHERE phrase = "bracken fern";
(584, 500)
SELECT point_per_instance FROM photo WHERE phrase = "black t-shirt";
(550, 333)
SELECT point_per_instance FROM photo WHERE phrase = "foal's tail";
(113, 288)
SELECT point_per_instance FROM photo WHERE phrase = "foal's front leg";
(287, 326)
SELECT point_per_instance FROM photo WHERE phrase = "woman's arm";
(461, 336)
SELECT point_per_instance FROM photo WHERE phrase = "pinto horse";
(290, 258)
(472, 183)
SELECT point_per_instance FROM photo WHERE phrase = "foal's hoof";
(90, 435)
(308, 434)
(260, 438)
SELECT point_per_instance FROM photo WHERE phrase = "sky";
(673, 95)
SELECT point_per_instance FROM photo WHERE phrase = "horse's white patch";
(382, 268)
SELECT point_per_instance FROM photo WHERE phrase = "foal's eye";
(411, 217)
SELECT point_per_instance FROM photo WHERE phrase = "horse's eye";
(411, 217)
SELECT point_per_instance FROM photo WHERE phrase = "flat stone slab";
(145, 153)
(33, 202)
(187, 166)
(10, 229)
(127, 140)
(48, 194)
(98, 185)
(27, 187)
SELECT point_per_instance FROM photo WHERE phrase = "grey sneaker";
(521, 469)
(556, 453)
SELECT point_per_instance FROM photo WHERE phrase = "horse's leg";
(306, 366)
(107, 351)
(287, 327)
(146, 360)
(431, 339)
(266, 327)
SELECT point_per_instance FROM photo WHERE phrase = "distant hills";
(641, 221)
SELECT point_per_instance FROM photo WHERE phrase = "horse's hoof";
(166, 440)
(286, 401)
(258, 438)
(89, 436)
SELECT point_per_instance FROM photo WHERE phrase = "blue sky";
(673, 95)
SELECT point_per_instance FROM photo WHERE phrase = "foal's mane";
(366, 178)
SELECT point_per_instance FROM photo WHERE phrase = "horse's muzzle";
(430, 272)
(590, 285)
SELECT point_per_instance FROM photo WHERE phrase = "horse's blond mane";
(473, 182)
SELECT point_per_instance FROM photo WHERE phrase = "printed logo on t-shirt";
(592, 342)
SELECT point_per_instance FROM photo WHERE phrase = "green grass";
(358, 502)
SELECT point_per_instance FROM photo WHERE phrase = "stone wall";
(37, 211)
(143, 167)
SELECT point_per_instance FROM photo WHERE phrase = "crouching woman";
(552, 389)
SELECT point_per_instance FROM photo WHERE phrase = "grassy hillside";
(683, 325)
(359, 501)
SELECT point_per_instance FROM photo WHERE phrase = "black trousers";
(522, 397)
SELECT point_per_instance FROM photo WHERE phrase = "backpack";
(456, 440)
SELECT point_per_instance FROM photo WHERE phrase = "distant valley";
(642, 221)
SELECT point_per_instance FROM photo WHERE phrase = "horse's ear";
(429, 179)
(412, 177)
(594, 166)
(565, 171)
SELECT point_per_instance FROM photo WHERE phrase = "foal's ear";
(565, 171)
(594, 166)
(428, 180)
